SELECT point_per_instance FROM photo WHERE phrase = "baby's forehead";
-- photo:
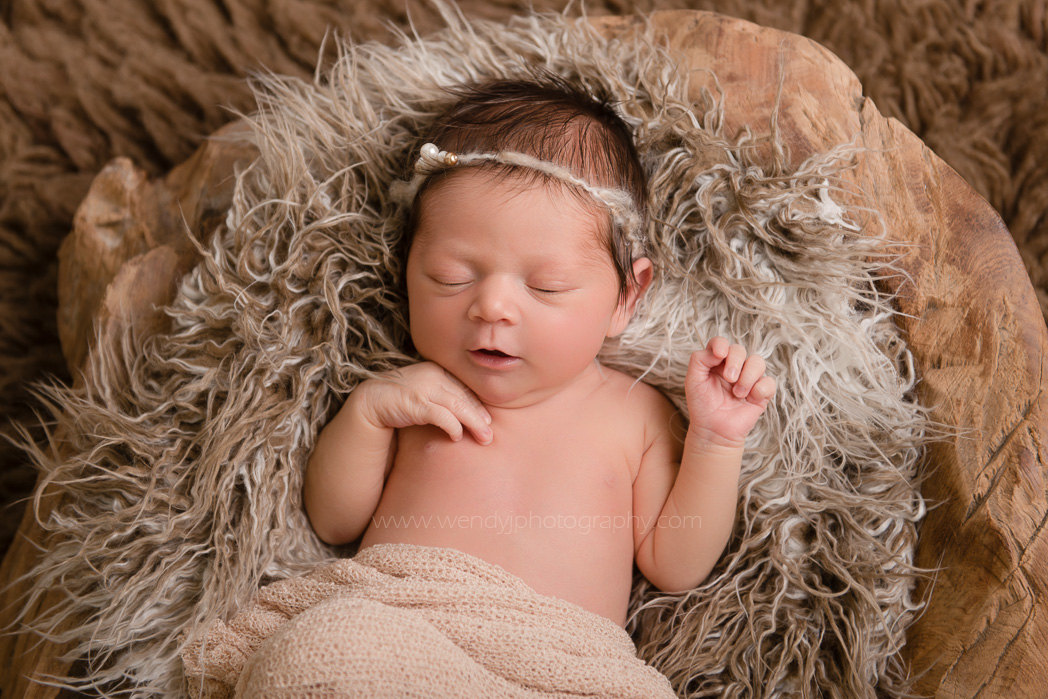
(490, 187)
(544, 228)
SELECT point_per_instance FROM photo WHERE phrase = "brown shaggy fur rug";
(83, 81)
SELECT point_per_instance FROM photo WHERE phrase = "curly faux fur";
(187, 449)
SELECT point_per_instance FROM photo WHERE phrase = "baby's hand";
(424, 394)
(727, 391)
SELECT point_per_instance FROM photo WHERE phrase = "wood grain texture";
(118, 267)
(969, 315)
(974, 325)
(129, 243)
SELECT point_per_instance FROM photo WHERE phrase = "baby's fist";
(727, 391)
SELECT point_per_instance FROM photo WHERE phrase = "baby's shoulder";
(644, 421)
(641, 402)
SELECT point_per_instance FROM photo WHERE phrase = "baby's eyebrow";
(429, 242)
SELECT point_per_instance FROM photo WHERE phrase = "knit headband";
(619, 203)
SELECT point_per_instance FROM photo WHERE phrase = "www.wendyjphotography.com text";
(510, 523)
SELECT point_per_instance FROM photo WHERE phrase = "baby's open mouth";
(493, 358)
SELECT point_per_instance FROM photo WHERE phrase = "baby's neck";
(568, 394)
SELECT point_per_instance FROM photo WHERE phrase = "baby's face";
(510, 287)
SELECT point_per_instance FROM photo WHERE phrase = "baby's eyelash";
(442, 282)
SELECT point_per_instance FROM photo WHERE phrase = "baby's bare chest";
(550, 469)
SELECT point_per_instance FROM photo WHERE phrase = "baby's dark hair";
(554, 120)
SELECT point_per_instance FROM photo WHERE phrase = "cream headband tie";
(432, 160)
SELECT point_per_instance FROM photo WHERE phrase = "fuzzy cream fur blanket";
(183, 453)
(404, 620)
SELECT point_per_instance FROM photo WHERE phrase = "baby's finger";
(733, 363)
(439, 416)
(469, 395)
(469, 413)
(718, 346)
(752, 370)
(762, 391)
(713, 354)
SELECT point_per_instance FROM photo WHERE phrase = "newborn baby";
(510, 441)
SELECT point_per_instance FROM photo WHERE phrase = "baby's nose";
(495, 302)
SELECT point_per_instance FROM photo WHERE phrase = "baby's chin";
(493, 396)
(505, 392)
(505, 400)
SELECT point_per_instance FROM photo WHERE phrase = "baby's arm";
(348, 468)
(683, 517)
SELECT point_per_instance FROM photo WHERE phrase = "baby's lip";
(493, 352)
(493, 359)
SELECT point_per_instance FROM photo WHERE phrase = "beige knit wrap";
(406, 620)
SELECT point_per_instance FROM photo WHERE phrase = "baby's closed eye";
(550, 286)
(450, 278)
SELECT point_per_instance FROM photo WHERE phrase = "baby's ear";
(642, 273)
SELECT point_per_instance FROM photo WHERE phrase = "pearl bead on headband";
(431, 159)
(619, 203)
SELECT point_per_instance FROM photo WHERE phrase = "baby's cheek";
(429, 327)
(578, 338)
